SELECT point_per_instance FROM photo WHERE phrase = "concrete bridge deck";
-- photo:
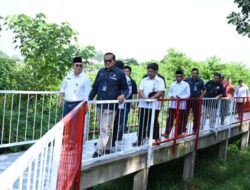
(131, 160)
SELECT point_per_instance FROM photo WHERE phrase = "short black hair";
(240, 81)
(110, 53)
(128, 67)
(152, 66)
(156, 65)
(179, 72)
(119, 64)
(195, 69)
(217, 74)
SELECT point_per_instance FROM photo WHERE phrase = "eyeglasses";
(108, 60)
(178, 76)
(78, 65)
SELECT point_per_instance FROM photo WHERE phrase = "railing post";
(199, 123)
(56, 157)
(217, 117)
(177, 114)
(231, 109)
(81, 123)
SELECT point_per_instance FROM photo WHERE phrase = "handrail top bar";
(116, 101)
(22, 162)
(27, 92)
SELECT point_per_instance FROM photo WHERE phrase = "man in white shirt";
(178, 89)
(75, 87)
(241, 94)
(151, 87)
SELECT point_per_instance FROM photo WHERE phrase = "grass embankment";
(210, 173)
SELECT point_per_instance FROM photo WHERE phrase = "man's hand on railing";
(60, 102)
(121, 99)
(88, 107)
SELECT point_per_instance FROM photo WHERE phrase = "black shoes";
(95, 155)
(137, 143)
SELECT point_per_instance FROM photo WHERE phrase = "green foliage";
(241, 19)
(47, 49)
(8, 72)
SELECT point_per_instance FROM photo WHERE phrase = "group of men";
(113, 82)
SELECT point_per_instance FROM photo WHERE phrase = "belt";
(68, 102)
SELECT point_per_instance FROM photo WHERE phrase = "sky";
(143, 29)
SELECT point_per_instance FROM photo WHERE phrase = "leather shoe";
(95, 155)
(136, 143)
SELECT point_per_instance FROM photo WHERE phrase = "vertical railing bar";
(20, 182)
(95, 121)
(29, 176)
(18, 118)
(4, 108)
(27, 115)
(44, 167)
(50, 161)
(56, 156)
(56, 112)
(34, 120)
(50, 100)
(40, 170)
(35, 173)
(41, 125)
(11, 113)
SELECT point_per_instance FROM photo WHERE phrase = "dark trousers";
(240, 107)
(181, 121)
(195, 105)
(68, 106)
(120, 123)
(145, 122)
(224, 108)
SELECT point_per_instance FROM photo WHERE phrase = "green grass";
(210, 173)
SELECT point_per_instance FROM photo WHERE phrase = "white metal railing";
(38, 167)
(123, 126)
(26, 116)
(214, 114)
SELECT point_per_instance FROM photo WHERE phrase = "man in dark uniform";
(197, 90)
(214, 89)
(110, 84)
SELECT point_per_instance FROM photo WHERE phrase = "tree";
(8, 72)
(241, 19)
(47, 49)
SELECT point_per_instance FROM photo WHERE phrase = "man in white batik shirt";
(178, 89)
(75, 87)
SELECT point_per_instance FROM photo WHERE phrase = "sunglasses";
(108, 60)
(78, 65)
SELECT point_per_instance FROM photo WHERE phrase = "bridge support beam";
(141, 179)
(244, 140)
(222, 152)
(189, 163)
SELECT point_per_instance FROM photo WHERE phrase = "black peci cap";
(77, 60)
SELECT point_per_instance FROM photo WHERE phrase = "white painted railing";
(37, 168)
(213, 115)
(26, 116)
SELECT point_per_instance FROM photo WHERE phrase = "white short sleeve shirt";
(148, 85)
(76, 87)
(182, 90)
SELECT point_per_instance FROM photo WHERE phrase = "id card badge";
(195, 88)
(104, 88)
